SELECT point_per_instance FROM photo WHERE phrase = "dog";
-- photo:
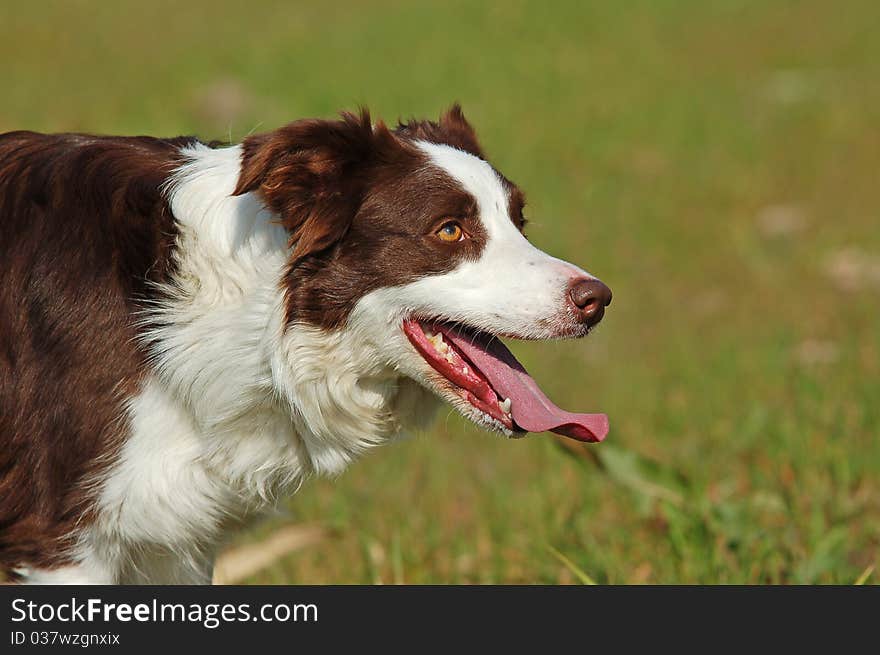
(189, 330)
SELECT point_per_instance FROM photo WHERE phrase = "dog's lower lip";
(467, 380)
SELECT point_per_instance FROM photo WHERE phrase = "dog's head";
(409, 238)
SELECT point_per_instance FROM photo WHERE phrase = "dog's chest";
(174, 486)
(178, 486)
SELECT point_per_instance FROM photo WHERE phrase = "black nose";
(590, 296)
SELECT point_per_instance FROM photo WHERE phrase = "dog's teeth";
(465, 370)
(505, 405)
(436, 340)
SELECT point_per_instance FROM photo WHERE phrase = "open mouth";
(485, 373)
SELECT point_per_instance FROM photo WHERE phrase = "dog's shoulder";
(85, 235)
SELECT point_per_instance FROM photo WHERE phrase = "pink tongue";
(531, 409)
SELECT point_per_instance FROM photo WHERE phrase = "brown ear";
(453, 130)
(312, 174)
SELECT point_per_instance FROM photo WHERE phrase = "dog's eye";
(450, 231)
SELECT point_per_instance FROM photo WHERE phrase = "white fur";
(238, 409)
(75, 574)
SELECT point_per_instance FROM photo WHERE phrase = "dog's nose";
(590, 296)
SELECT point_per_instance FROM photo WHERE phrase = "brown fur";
(84, 232)
(452, 129)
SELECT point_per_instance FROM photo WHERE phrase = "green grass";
(741, 375)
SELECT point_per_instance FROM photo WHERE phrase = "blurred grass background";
(716, 162)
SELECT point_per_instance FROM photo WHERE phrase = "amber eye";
(450, 231)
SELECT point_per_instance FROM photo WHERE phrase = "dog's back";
(84, 231)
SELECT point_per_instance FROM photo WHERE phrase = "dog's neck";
(220, 344)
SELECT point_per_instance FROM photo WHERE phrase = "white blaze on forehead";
(511, 288)
(506, 244)
(481, 181)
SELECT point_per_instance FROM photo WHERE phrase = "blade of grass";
(863, 578)
(571, 566)
(397, 559)
(241, 562)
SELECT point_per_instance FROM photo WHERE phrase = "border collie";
(189, 330)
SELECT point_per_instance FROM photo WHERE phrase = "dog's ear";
(457, 128)
(453, 129)
(312, 174)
